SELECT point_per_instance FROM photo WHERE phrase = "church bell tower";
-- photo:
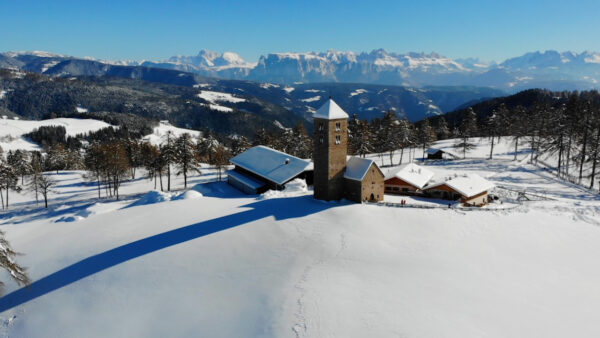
(330, 150)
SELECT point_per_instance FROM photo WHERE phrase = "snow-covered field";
(12, 131)
(160, 132)
(218, 263)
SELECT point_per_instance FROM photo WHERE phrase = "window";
(396, 189)
(320, 126)
(338, 126)
(338, 139)
(321, 140)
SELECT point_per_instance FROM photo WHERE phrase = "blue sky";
(492, 30)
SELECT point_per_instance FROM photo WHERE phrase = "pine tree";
(425, 135)
(441, 129)
(20, 162)
(467, 129)
(8, 181)
(186, 157)
(238, 145)
(8, 263)
(168, 155)
(405, 137)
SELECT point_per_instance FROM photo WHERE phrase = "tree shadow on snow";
(279, 208)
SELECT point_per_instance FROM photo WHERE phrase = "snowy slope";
(164, 127)
(11, 131)
(231, 265)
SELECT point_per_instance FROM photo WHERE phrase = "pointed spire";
(330, 111)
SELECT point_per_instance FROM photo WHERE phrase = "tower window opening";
(320, 126)
(338, 126)
(321, 140)
(338, 139)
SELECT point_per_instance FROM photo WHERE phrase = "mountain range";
(550, 69)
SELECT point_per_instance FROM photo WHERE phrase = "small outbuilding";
(471, 189)
(438, 154)
(261, 168)
(407, 179)
(363, 180)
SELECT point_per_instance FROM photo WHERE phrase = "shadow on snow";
(280, 209)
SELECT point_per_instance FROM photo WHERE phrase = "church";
(335, 175)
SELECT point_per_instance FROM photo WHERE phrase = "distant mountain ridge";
(550, 69)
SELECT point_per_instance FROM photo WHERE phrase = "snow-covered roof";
(271, 164)
(467, 185)
(412, 174)
(433, 150)
(330, 111)
(357, 168)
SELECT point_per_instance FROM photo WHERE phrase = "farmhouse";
(471, 189)
(407, 179)
(261, 168)
(336, 177)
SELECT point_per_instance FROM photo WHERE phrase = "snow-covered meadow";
(213, 262)
(12, 130)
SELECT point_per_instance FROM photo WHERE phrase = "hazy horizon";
(154, 30)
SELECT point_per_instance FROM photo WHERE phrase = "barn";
(363, 180)
(438, 154)
(407, 179)
(261, 168)
(471, 189)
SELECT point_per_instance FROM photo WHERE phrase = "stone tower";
(330, 149)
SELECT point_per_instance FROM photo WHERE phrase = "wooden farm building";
(336, 177)
(438, 154)
(407, 179)
(261, 168)
(471, 189)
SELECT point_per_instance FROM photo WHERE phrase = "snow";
(466, 185)
(289, 89)
(213, 97)
(81, 109)
(2, 94)
(266, 85)
(311, 99)
(12, 131)
(411, 173)
(271, 164)
(151, 197)
(358, 92)
(295, 187)
(314, 91)
(357, 168)
(231, 265)
(188, 195)
(164, 127)
(330, 111)
(220, 108)
(49, 65)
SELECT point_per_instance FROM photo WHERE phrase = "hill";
(285, 265)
